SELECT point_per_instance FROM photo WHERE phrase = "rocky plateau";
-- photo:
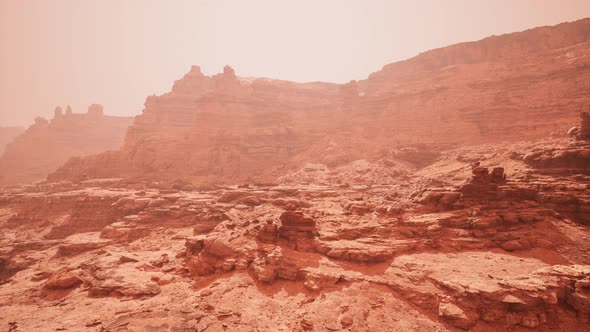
(30, 155)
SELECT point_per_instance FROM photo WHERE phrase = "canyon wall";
(218, 127)
(515, 86)
(47, 144)
(7, 134)
(519, 86)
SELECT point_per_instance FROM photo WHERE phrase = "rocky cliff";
(514, 86)
(47, 144)
(7, 134)
(519, 86)
(218, 126)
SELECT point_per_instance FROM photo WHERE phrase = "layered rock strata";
(524, 85)
(47, 144)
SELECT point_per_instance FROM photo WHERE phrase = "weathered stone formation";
(350, 98)
(482, 176)
(421, 94)
(298, 230)
(216, 127)
(494, 261)
(483, 184)
(57, 112)
(268, 233)
(7, 134)
(440, 200)
(294, 225)
(585, 126)
(46, 145)
(418, 156)
(581, 132)
(555, 161)
(227, 128)
(564, 159)
(95, 110)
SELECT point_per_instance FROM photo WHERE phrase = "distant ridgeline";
(7, 134)
(47, 144)
(524, 85)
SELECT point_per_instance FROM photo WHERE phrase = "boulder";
(63, 279)
(455, 315)
(295, 225)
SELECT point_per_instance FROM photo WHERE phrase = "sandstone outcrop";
(563, 159)
(63, 279)
(504, 254)
(585, 126)
(218, 126)
(574, 159)
(295, 226)
(224, 128)
(7, 134)
(46, 145)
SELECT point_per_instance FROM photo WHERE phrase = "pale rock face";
(7, 134)
(46, 145)
(226, 128)
(95, 110)
(585, 125)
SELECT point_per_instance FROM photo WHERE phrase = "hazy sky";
(117, 52)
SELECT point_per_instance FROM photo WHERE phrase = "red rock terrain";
(525, 85)
(7, 134)
(46, 145)
(447, 192)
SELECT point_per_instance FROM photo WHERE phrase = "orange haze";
(117, 52)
